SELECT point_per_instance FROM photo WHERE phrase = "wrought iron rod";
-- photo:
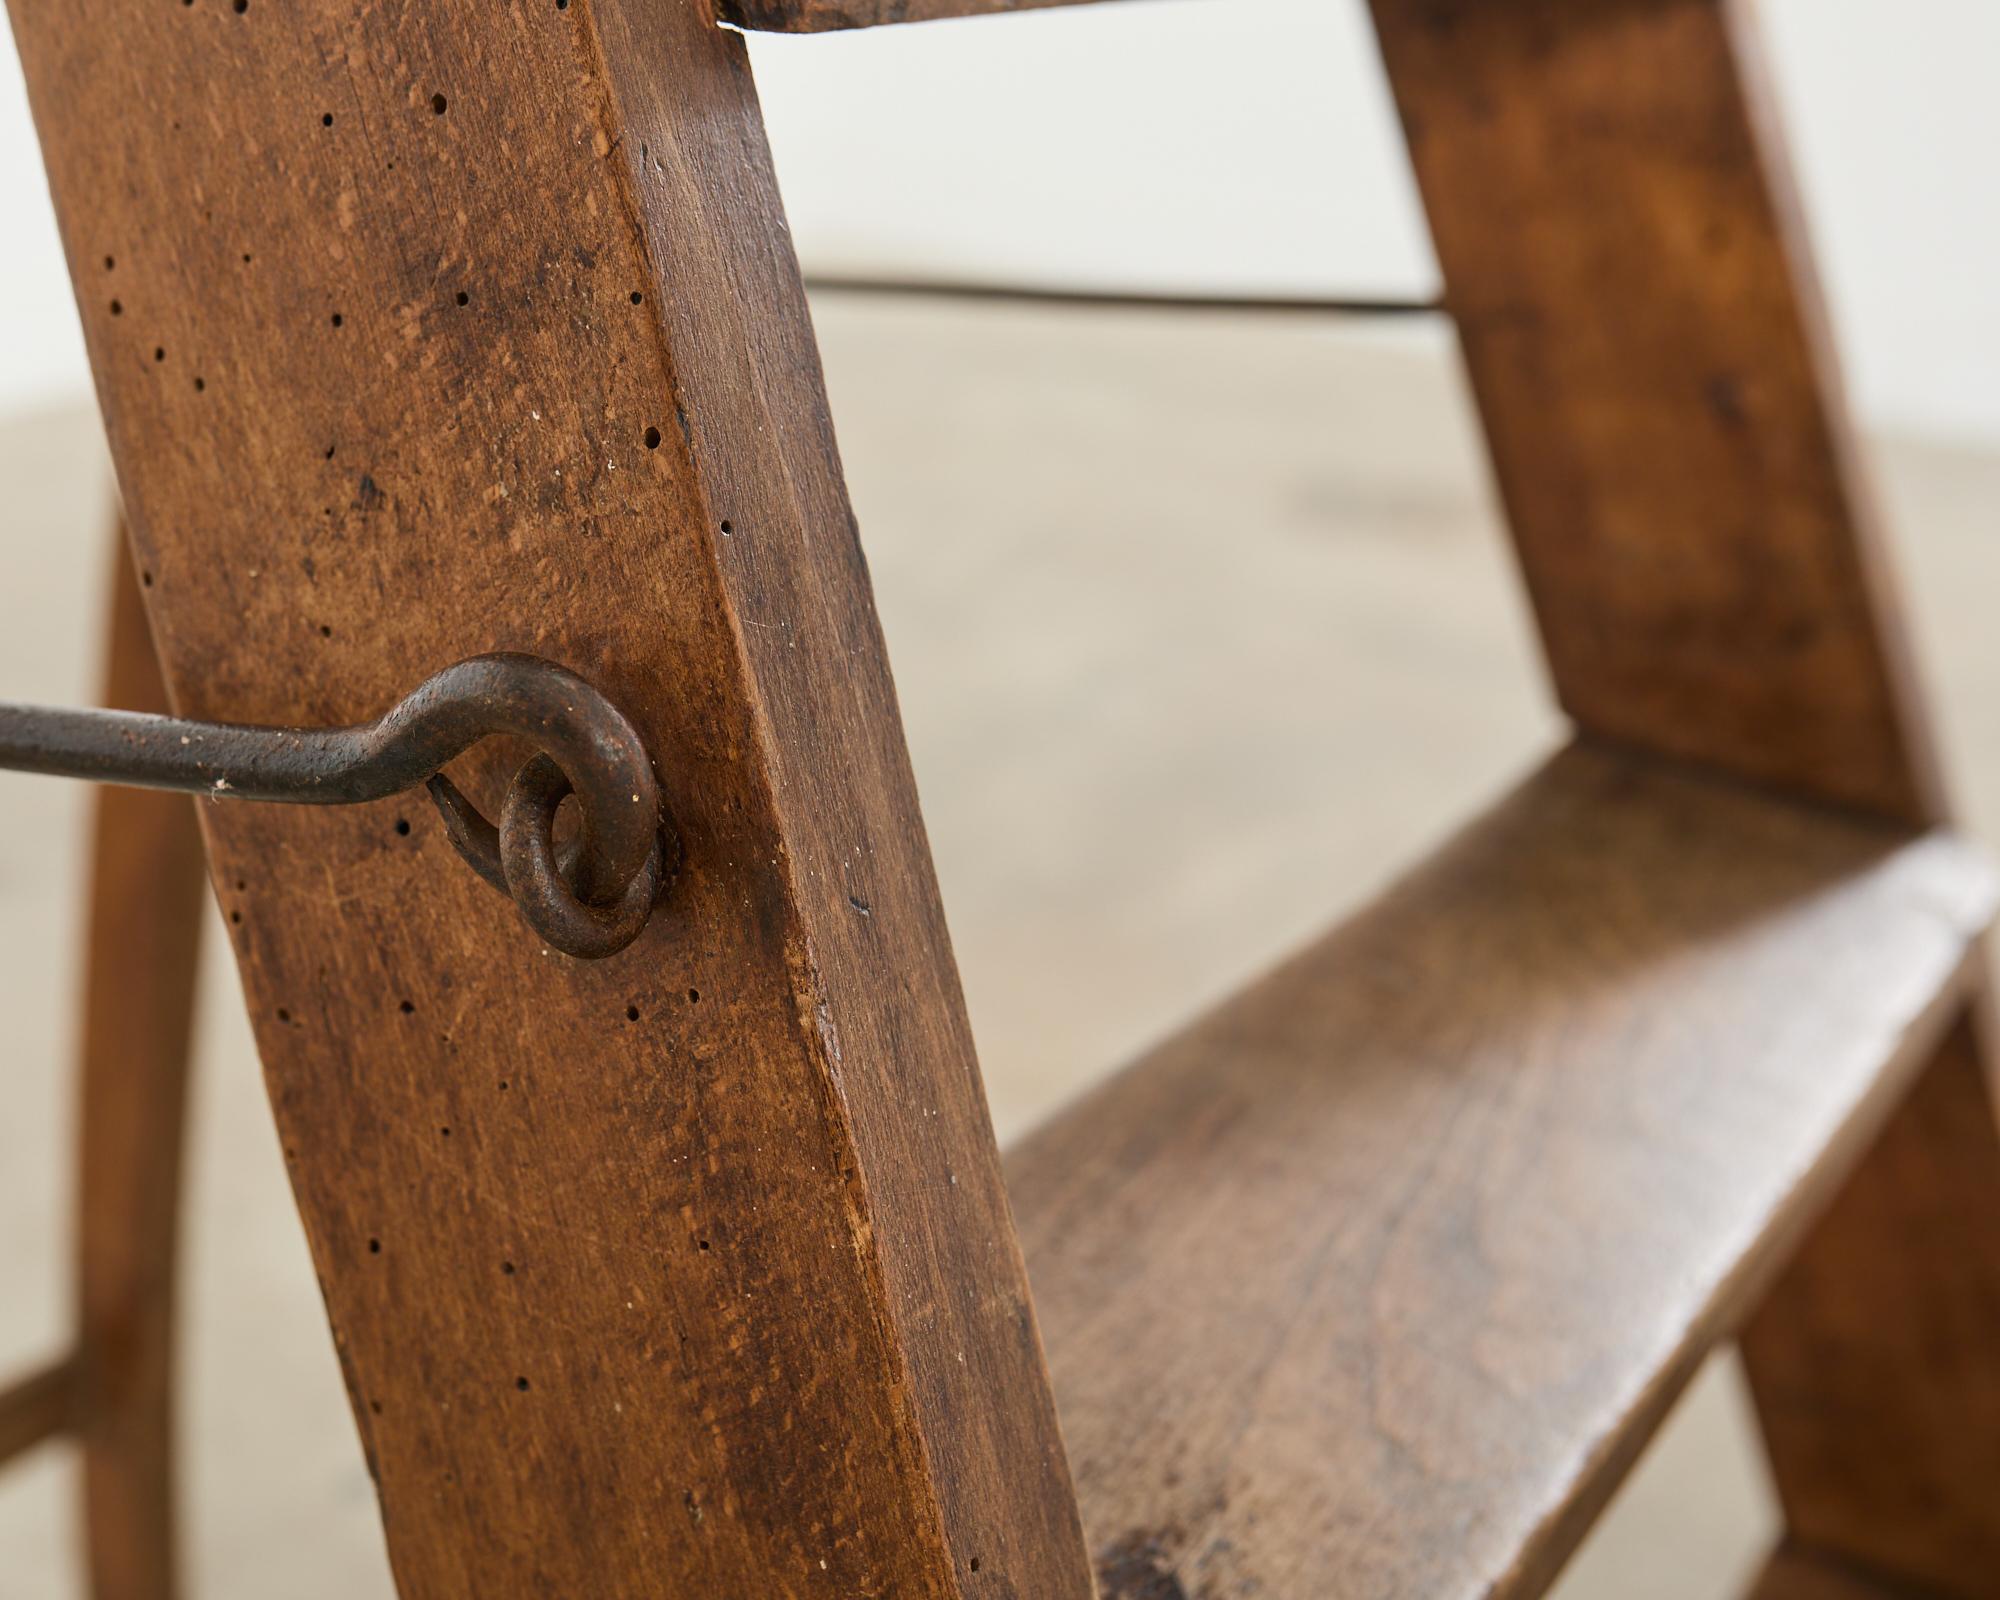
(1126, 299)
(589, 898)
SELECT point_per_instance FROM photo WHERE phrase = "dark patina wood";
(423, 332)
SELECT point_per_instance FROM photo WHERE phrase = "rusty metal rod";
(589, 899)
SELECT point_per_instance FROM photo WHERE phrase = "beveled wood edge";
(1544, 1555)
(1481, 89)
(1909, 680)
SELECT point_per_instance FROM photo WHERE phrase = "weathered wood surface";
(1619, 240)
(426, 331)
(1622, 244)
(1874, 1367)
(1376, 1280)
(148, 880)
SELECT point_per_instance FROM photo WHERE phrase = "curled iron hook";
(589, 898)
(554, 889)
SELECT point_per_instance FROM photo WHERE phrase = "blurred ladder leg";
(143, 942)
(1875, 1360)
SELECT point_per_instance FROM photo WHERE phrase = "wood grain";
(147, 884)
(1618, 235)
(1376, 1280)
(423, 331)
(1621, 241)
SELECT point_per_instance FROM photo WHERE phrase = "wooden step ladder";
(424, 331)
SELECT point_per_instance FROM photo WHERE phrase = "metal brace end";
(589, 898)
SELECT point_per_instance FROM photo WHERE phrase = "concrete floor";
(1202, 626)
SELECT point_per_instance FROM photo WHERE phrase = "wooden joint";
(37, 1408)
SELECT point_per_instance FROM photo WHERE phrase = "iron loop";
(551, 886)
(588, 898)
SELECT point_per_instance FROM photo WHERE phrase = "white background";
(1249, 144)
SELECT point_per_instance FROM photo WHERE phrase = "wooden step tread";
(1374, 1281)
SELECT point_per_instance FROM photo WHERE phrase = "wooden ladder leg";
(147, 877)
(1622, 248)
(446, 330)
(1875, 1360)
